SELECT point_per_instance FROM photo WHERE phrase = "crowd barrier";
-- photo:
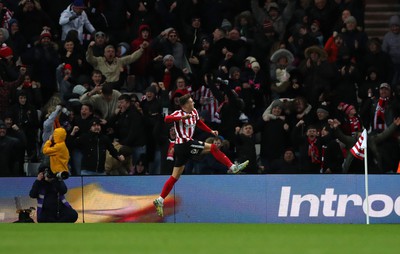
(221, 198)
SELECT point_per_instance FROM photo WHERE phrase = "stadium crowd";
(289, 84)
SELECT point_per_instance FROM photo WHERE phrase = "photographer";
(52, 205)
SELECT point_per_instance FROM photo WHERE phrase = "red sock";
(169, 184)
(220, 156)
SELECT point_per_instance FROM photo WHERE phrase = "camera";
(63, 175)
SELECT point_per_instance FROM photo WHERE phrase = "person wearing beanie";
(391, 45)
(352, 122)
(226, 25)
(6, 52)
(74, 18)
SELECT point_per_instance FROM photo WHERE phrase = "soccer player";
(185, 120)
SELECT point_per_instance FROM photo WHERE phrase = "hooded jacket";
(58, 151)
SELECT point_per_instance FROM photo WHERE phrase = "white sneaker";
(236, 168)
(159, 207)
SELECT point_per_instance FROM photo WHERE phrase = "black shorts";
(188, 150)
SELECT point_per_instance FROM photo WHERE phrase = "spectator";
(110, 65)
(168, 43)
(6, 91)
(84, 122)
(17, 40)
(326, 12)
(332, 156)
(378, 113)
(9, 150)
(74, 18)
(272, 13)
(317, 72)
(391, 45)
(129, 127)
(355, 39)
(377, 59)
(44, 59)
(281, 66)
(14, 131)
(378, 161)
(274, 132)
(142, 67)
(116, 167)
(246, 147)
(32, 19)
(286, 164)
(104, 99)
(26, 118)
(309, 148)
(168, 72)
(101, 40)
(94, 145)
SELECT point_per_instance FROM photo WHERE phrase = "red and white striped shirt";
(210, 103)
(184, 129)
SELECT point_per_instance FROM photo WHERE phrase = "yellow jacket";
(58, 151)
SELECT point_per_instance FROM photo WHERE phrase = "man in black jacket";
(129, 127)
(94, 145)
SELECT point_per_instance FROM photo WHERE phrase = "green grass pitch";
(198, 238)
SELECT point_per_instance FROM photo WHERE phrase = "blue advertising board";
(222, 198)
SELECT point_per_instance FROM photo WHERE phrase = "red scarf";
(355, 125)
(379, 118)
(313, 151)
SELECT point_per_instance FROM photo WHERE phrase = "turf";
(198, 238)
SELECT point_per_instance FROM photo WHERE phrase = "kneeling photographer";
(51, 203)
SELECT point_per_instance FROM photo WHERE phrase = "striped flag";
(358, 149)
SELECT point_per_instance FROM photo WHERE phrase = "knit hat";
(394, 20)
(79, 3)
(151, 89)
(233, 69)
(255, 64)
(273, 5)
(322, 109)
(5, 51)
(350, 19)
(226, 25)
(2, 125)
(79, 89)
(45, 33)
(268, 28)
(277, 103)
(99, 34)
(12, 21)
(68, 67)
(6, 35)
(168, 57)
(346, 108)
(96, 121)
